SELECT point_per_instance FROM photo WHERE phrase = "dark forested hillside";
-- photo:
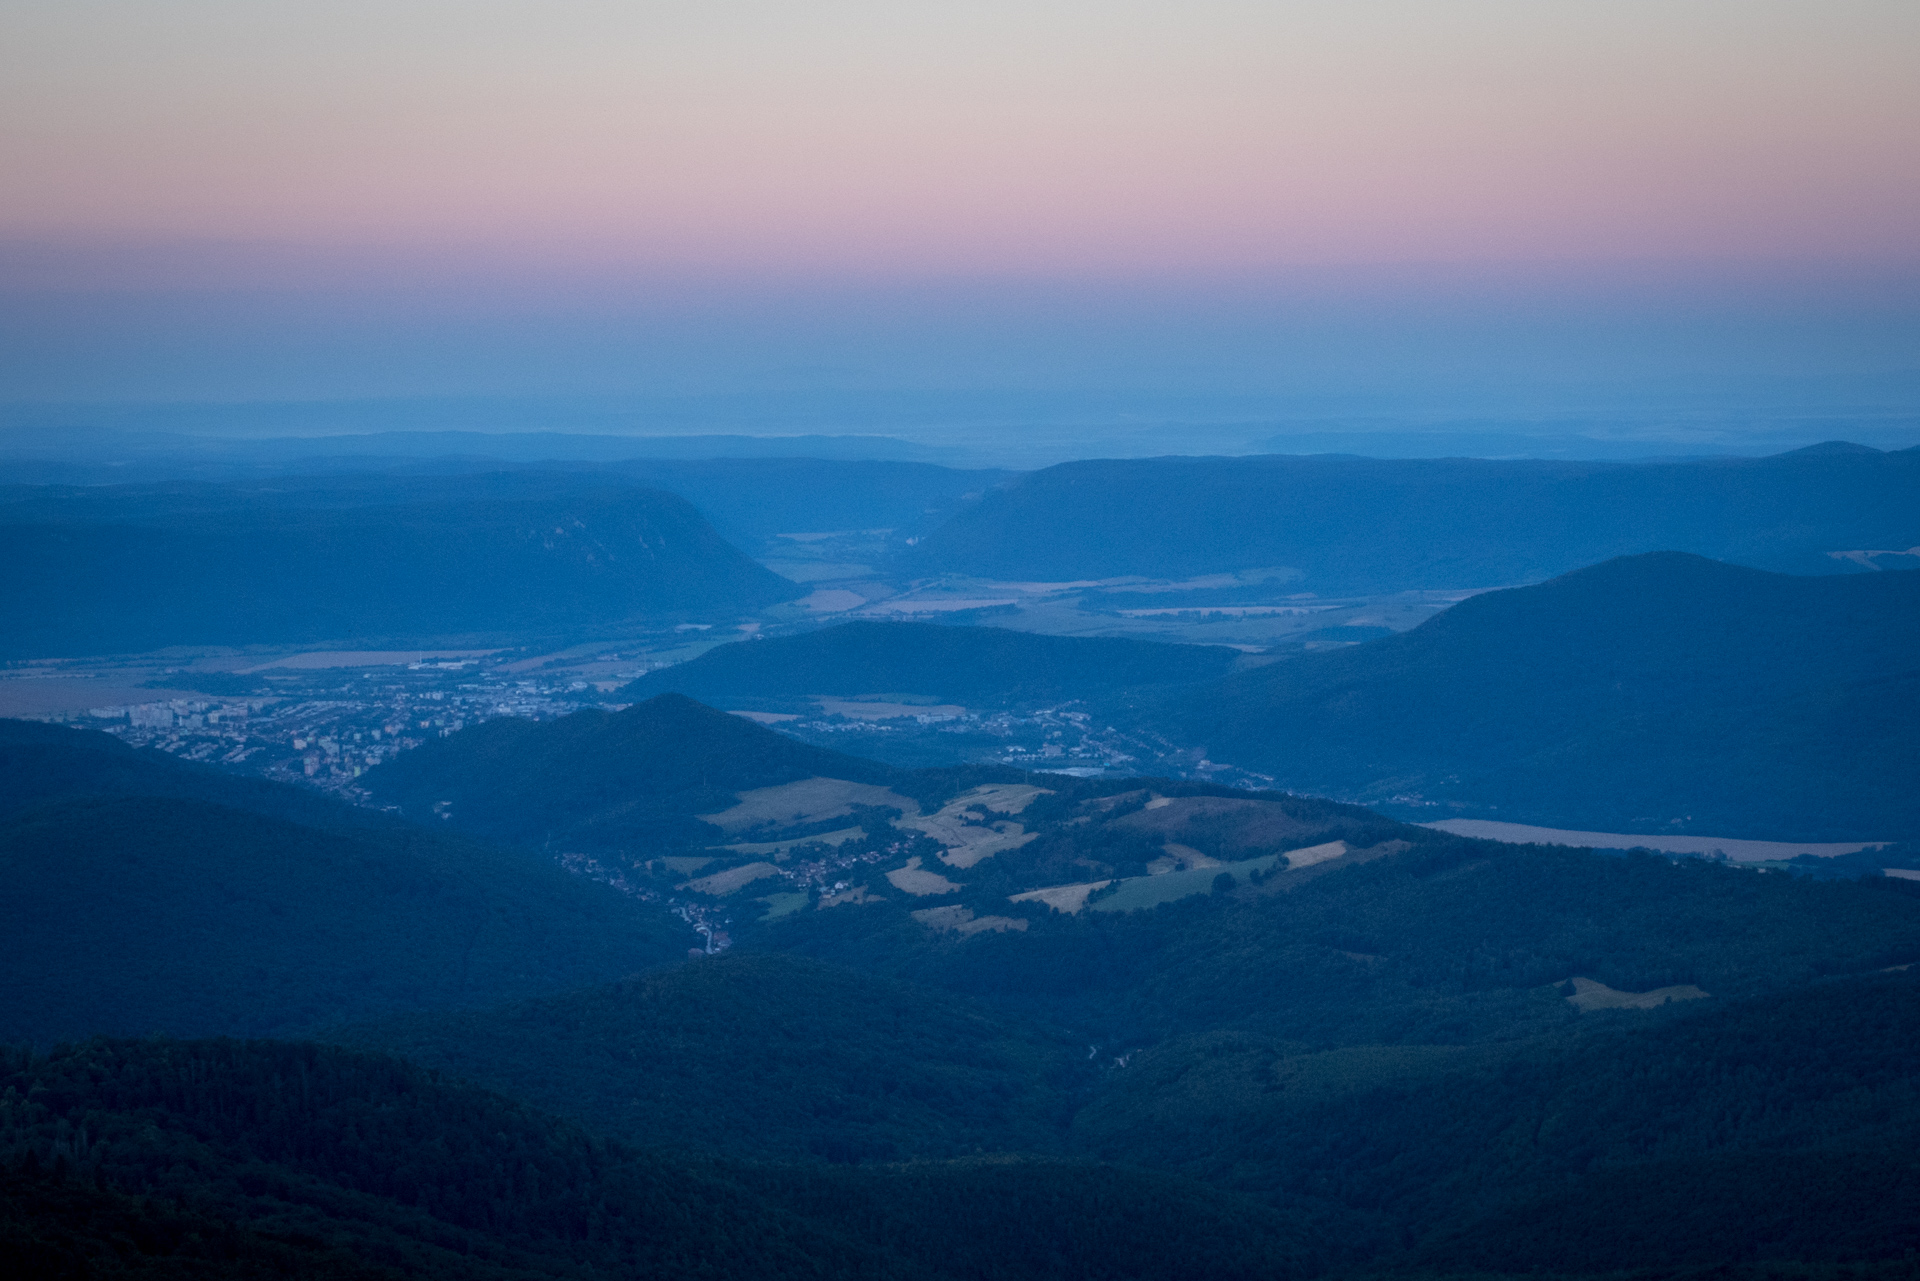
(983, 665)
(1653, 693)
(1701, 1133)
(1438, 941)
(138, 914)
(750, 487)
(147, 894)
(226, 1159)
(360, 559)
(1372, 525)
(603, 779)
(41, 763)
(768, 1056)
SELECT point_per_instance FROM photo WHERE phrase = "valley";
(932, 642)
(1200, 923)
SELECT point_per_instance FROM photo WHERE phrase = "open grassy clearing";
(1062, 898)
(915, 880)
(855, 709)
(811, 800)
(1220, 823)
(786, 904)
(958, 826)
(1734, 848)
(1316, 854)
(1180, 858)
(780, 849)
(1138, 892)
(1591, 995)
(851, 897)
(732, 879)
(960, 920)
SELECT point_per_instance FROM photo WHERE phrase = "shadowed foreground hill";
(1706, 1133)
(1374, 525)
(42, 763)
(129, 568)
(767, 1056)
(146, 894)
(224, 1159)
(603, 780)
(135, 915)
(985, 665)
(1660, 692)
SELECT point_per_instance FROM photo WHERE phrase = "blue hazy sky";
(1685, 223)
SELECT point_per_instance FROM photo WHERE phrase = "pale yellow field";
(1061, 898)
(914, 880)
(858, 894)
(1180, 858)
(1002, 798)
(808, 801)
(780, 849)
(1316, 854)
(1590, 995)
(969, 843)
(731, 880)
(360, 658)
(857, 710)
(960, 920)
(1737, 850)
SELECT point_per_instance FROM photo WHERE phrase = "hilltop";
(1622, 697)
(977, 665)
(1353, 525)
(42, 763)
(366, 559)
(604, 780)
(148, 895)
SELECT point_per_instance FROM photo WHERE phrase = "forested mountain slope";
(144, 894)
(1653, 693)
(42, 763)
(1353, 525)
(768, 1056)
(1422, 939)
(135, 915)
(987, 666)
(1702, 1133)
(1385, 1054)
(226, 1159)
(604, 779)
(362, 559)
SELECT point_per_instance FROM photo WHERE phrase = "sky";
(1347, 211)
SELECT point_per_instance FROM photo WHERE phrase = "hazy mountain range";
(1659, 692)
(654, 989)
(977, 665)
(1371, 525)
(366, 561)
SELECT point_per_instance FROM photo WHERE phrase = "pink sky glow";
(920, 138)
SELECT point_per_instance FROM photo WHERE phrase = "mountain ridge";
(1641, 674)
(1356, 525)
(995, 666)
